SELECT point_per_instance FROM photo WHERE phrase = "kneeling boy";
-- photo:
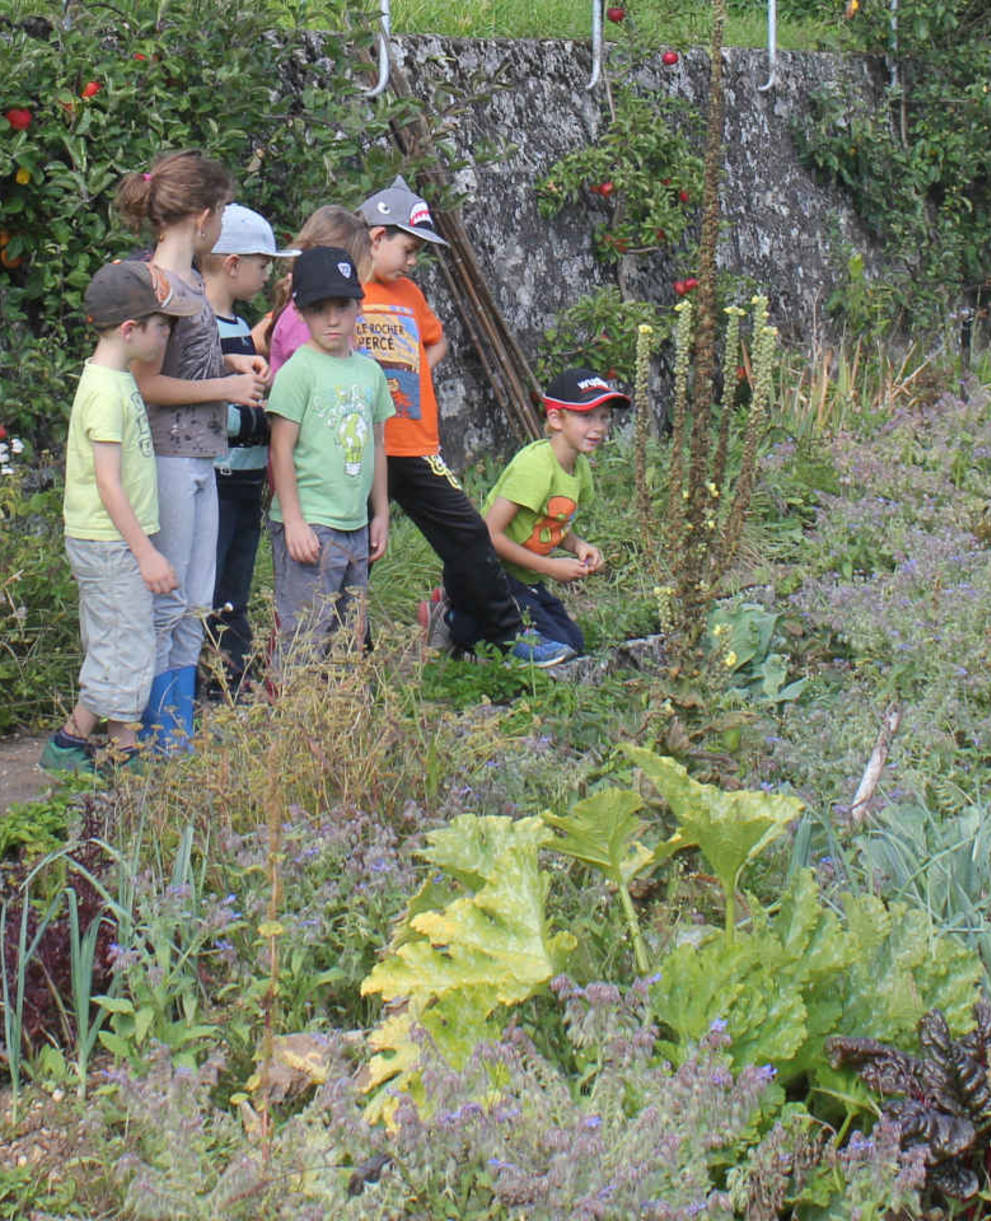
(530, 510)
(327, 409)
(111, 511)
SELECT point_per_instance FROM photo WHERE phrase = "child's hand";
(378, 537)
(302, 542)
(590, 556)
(244, 389)
(565, 569)
(241, 362)
(157, 573)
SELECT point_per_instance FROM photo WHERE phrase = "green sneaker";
(63, 753)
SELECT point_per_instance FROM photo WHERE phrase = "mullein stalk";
(676, 473)
(765, 338)
(645, 342)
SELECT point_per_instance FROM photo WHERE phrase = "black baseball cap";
(322, 273)
(582, 390)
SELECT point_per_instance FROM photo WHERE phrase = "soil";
(21, 779)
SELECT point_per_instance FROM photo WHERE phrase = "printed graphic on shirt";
(388, 334)
(553, 526)
(346, 416)
(139, 418)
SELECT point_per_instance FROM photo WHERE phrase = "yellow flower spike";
(682, 305)
(645, 328)
(711, 488)
(22, 176)
(734, 311)
(730, 660)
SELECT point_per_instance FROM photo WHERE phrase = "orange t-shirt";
(394, 327)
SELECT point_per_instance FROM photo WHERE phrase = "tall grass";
(659, 23)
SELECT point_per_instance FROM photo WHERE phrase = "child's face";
(582, 431)
(393, 256)
(331, 324)
(148, 338)
(249, 275)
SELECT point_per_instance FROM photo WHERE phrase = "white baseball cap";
(246, 232)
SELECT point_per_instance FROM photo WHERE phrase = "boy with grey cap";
(399, 329)
(237, 269)
(111, 511)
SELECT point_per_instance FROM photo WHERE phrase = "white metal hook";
(383, 79)
(596, 43)
(772, 46)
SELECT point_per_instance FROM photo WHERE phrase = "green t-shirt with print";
(108, 407)
(336, 401)
(548, 498)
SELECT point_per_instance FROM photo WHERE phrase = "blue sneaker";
(537, 650)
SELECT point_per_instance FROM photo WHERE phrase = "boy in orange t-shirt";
(399, 329)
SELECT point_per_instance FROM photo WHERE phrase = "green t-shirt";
(336, 401)
(548, 498)
(108, 407)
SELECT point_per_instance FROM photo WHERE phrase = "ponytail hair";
(329, 225)
(177, 185)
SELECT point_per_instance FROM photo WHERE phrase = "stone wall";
(783, 228)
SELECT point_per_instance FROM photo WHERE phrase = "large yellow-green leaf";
(604, 831)
(459, 965)
(729, 828)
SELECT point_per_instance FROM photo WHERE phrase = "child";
(327, 412)
(329, 225)
(111, 512)
(187, 392)
(530, 510)
(399, 329)
(237, 270)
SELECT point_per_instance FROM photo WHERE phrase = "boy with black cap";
(327, 412)
(111, 511)
(530, 510)
(399, 329)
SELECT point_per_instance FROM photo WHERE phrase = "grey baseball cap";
(247, 232)
(132, 290)
(400, 207)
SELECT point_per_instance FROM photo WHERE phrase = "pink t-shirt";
(290, 332)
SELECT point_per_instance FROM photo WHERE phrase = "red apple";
(138, 55)
(616, 14)
(669, 58)
(679, 287)
(660, 235)
(18, 118)
(684, 196)
(91, 89)
(605, 188)
(691, 284)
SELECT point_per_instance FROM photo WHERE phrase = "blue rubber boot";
(185, 688)
(160, 721)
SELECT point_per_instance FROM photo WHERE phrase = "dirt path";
(21, 778)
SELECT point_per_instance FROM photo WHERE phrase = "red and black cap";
(582, 390)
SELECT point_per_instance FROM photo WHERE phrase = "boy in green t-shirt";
(530, 510)
(111, 512)
(328, 408)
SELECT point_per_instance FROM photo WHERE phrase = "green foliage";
(915, 166)
(731, 829)
(39, 634)
(30, 829)
(160, 72)
(599, 331)
(741, 635)
(457, 966)
(642, 166)
(808, 972)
